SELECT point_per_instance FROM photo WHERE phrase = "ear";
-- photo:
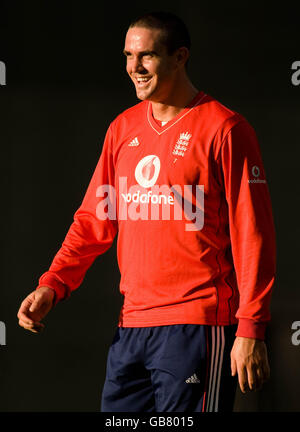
(182, 55)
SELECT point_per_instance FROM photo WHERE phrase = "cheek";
(163, 75)
(164, 70)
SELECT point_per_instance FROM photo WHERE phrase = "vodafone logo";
(255, 171)
(147, 171)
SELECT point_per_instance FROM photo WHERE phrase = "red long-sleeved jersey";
(191, 206)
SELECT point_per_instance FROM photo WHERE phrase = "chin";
(144, 95)
(141, 96)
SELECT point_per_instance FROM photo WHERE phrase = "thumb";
(36, 303)
(233, 367)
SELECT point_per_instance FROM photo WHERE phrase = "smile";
(142, 81)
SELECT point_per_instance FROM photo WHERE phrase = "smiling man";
(196, 239)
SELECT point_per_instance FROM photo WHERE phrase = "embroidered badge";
(182, 144)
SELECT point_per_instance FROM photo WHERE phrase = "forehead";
(141, 39)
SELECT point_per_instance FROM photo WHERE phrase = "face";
(148, 64)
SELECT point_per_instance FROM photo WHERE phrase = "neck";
(179, 97)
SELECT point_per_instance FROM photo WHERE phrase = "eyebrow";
(141, 52)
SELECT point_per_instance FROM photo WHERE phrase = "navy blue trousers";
(173, 368)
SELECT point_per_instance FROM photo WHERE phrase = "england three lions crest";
(182, 144)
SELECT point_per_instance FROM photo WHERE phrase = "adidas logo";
(193, 380)
(134, 142)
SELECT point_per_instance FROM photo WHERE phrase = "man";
(181, 180)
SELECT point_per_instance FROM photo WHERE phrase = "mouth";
(142, 82)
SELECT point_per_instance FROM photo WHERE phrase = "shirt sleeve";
(251, 227)
(91, 233)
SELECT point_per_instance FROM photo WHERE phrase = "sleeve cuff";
(52, 281)
(251, 329)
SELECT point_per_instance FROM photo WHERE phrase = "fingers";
(233, 367)
(259, 373)
(36, 304)
(246, 379)
(23, 311)
(30, 304)
(34, 327)
(243, 379)
(262, 374)
(251, 378)
(249, 360)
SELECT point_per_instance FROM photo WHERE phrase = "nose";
(136, 65)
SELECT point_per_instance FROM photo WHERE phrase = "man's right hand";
(34, 308)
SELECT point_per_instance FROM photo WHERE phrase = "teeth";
(142, 79)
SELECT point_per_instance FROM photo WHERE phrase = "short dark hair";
(174, 31)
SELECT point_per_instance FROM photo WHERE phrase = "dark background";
(66, 82)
